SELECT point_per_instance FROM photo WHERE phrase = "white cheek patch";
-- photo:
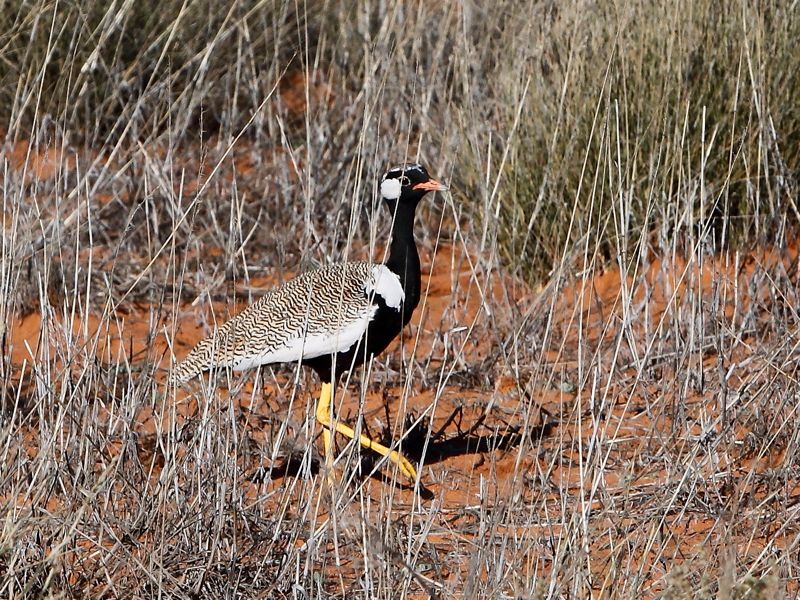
(385, 284)
(390, 189)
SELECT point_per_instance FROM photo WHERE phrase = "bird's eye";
(404, 180)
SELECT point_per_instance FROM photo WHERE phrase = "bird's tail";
(206, 355)
(197, 361)
(183, 371)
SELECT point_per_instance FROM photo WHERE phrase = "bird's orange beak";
(431, 186)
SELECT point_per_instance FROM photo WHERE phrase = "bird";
(332, 319)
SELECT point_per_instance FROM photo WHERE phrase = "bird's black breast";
(384, 327)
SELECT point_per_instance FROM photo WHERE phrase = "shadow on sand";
(441, 446)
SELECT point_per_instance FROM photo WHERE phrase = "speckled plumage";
(315, 314)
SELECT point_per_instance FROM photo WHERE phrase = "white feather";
(312, 346)
(390, 189)
(385, 284)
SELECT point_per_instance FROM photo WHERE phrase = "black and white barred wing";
(316, 314)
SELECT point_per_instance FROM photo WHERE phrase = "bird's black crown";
(407, 183)
(408, 174)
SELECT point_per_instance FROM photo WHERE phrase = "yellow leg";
(323, 408)
(324, 418)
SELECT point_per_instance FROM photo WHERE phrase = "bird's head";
(407, 185)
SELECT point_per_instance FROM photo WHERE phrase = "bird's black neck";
(403, 258)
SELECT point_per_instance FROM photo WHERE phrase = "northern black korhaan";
(331, 319)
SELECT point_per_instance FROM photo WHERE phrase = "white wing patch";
(318, 344)
(390, 189)
(385, 284)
